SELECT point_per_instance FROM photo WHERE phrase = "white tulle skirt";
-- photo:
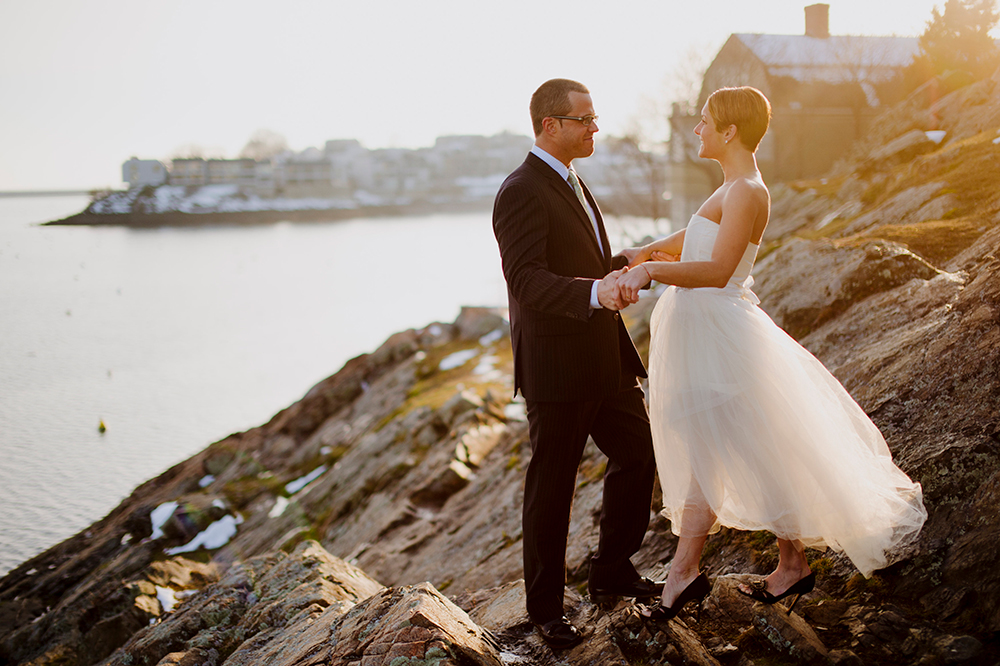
(752, 432)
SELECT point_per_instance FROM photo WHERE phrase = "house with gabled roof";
(825, 91)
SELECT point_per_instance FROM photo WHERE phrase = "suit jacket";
(563, 351)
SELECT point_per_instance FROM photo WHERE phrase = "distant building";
(306, 174)
(824, 91)
(463, 165)
(188, 171)
(350, 165)
(196, 171)
(241, 171)
(265, 184)
(454, 169)
(139, 173)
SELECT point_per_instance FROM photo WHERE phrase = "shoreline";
(28, 194)
(225, 218)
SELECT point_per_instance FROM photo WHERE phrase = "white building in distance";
(139, 173)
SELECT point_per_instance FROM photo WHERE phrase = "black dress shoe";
(641, 588)
(559, 633)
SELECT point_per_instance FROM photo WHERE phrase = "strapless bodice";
(699, 240)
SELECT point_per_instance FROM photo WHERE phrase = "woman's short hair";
(552, 99)
(746, 108)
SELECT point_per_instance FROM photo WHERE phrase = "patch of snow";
(210, 196)
(458, 359)
(206, 480)
(219, 504)
(298, 484)
(279, 507)
(491, 337)
(212, 537)
(423, 513)
(167, 598)
(325, 451)
(486, 363)
(368, 199)
(167, 197)
(216, 198)
(159, 516)
(486, 369)
(116, 202)
(935, 135)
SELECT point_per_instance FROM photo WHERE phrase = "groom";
(574, 363)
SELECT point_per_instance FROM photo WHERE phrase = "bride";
(750, 430)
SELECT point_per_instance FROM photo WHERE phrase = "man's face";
(573, 137)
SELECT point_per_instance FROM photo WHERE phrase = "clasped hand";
(620, 288)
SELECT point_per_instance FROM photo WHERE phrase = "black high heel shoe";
(758, 591)
(696, 590)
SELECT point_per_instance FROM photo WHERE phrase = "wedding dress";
(752, 432)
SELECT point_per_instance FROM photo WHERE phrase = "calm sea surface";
(175, 338)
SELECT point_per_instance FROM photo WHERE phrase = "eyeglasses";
(586, 120)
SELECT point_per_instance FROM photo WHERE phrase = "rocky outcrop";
(174, 206)
(840, 275)
(377, 520)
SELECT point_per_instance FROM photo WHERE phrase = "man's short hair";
(745, 107)
(552, 99)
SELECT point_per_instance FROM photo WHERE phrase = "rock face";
(842, 275)
(377, 520)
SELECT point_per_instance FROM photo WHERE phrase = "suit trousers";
(558, 432)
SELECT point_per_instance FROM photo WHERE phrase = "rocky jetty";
(198, 205)
(377, 520)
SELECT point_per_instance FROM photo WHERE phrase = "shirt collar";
(559, 167)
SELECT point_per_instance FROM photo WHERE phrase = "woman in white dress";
(750, 430)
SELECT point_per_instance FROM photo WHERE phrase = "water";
(175, 338)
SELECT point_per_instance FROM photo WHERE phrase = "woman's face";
(712, 141)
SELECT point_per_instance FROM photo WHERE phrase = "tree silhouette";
(263, 145)
(957, 42)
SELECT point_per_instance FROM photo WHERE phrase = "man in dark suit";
(574, 363)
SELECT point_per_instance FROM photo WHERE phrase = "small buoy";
(101, 427)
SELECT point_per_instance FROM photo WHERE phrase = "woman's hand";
(664, 256)
(630, 282)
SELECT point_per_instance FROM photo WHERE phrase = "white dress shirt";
(563, 172)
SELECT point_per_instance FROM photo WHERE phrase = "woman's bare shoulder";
(750, 190)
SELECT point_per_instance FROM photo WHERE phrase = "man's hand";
(607, 291)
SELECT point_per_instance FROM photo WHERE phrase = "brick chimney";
(818, 21)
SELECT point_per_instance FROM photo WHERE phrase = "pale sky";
(86, 85)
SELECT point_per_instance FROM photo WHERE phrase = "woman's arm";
(671, 244)
(740, 207)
